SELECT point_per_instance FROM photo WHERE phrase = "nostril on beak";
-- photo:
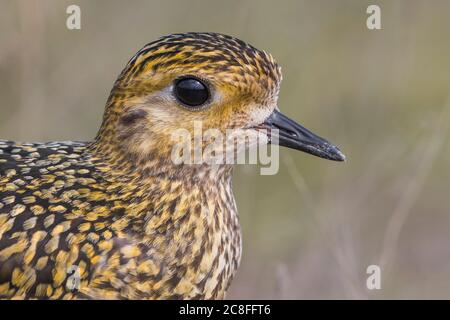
(284, 130)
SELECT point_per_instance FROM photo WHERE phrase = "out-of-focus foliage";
(382, 96)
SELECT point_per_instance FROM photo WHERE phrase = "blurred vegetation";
(382, 96)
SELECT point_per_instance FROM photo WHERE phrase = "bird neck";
(118, 164)
(158, 190)
(158, 185)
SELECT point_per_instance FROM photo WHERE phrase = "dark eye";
(191, 92)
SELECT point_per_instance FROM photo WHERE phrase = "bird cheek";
(258, 114)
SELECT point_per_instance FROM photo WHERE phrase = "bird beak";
(288, 133)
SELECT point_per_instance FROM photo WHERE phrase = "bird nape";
(116, 218)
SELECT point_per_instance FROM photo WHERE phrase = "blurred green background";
(382, 96)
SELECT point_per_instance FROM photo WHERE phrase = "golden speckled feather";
(158, 237)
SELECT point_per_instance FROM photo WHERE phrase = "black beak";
(286, 132)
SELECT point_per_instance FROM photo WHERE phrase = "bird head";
(210, 79)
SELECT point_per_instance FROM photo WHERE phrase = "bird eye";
(191, 92)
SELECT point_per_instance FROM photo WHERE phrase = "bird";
(115, 217)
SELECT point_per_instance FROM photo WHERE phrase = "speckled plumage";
(133, 223)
